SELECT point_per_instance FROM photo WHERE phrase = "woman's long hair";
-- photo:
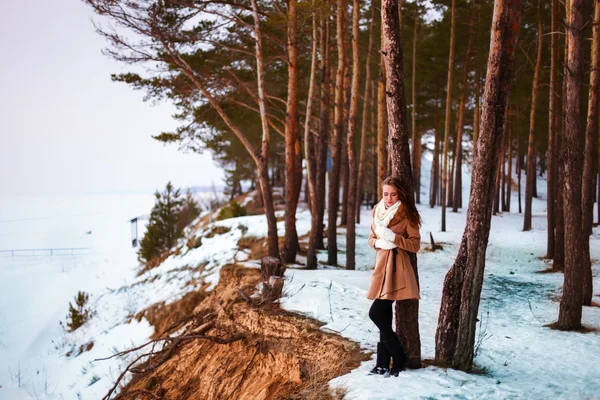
(406, 197)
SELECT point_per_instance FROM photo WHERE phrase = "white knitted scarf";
(384, 215)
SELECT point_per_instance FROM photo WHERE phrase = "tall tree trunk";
(290, 246)
(569, 316)
(510, 158)
(559, 240)
(345, 168)
(374, 183)
(587, 191)
(382, 153)
(435, 168)
(459, 132)
(531, 170)
(334, 181)
(553, 110)
(447, 117)
(455, 336)
(311, 163)
(407, 311)
(352, 167)
(323, 129)
(416, 137)
(363, 135)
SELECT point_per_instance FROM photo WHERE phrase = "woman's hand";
(385, 233)
(384, 244)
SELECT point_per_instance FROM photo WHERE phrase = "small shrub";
(232, 210)
(80, 314)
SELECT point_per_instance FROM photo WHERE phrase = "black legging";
(381, 314)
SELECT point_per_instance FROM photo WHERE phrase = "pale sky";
(65, 127)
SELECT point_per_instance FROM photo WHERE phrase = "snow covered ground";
(522, 358)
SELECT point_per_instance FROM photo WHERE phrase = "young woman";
(394, 234)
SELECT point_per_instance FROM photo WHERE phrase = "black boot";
(382, 365)
(399, 357)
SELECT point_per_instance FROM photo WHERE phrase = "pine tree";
(163, 229)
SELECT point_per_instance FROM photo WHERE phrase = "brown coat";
(397, 283)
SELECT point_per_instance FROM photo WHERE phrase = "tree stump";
(271, 273)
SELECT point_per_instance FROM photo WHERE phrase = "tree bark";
(553, 110)
(531, 170)
(416, 137)
(569, 316)
(455, 334)
(352, 167)
(459, 132)
(587, 191)
(407, 311)
(363, 135)
(311, 164)
(290, 246)
(334, 187)
(447, 117)
(323, 128)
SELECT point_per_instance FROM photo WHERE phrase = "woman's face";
(390, 195)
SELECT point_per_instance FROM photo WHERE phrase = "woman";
(394, 234)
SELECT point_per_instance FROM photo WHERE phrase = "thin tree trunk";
(435, 168)
(447, 117)
(374, 191)
(553, 111)
(559, 241)
(519, 168)
(416, 138)
(311, 164)
(506, 144)
(334, 187)
(476, 111)
(569, 316)
(363, 135)
(459, 132)
(510, 158)
(352, 167)
(531, 170)
(497, 186)
(587, 191)
(450, 197)
(290, 246)
(455, 336)
(323, 129)
(345, 167)
(407, 311)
